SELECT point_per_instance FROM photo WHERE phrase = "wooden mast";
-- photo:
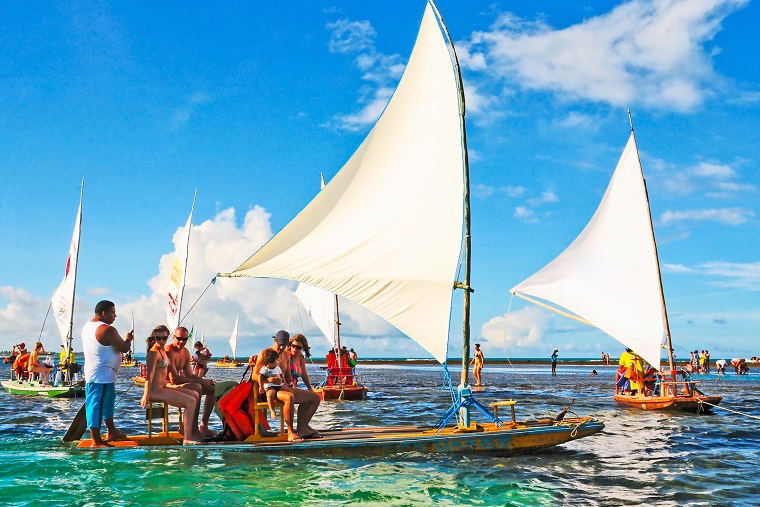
(671, 360)
(465, 284)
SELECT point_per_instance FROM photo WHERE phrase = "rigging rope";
(729, 410)
(212, 282)
(44, 321)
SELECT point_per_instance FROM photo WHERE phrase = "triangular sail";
(178, 275)
(386, 232)
(63, 298)
(233, 339)
(320, 304)
(609, 275)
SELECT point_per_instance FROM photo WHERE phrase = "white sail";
(609, 275)
(320, 304)
(386, 232)
(63, 298)
(233, 339)
(178, 275)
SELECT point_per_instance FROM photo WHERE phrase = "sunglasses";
(297, 347)
(181, 339)
(162, 337)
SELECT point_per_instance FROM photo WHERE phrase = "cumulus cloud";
(519, 329)
(728, 216)
(651, 52)
(263, 305)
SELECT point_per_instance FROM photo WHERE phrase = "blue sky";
(250, 102)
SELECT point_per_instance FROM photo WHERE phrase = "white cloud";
(714, 180)
(744, 276)
(729, 216)
(380, 71)
(263, 305)
(526, 214)
(676, 268)
(543, 198)
(650, 52)
(185, 111)
(520, 329)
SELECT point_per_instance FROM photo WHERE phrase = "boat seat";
(508, 403)
(160, 410)
(261, 410)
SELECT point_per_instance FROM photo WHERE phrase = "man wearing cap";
(102, 347)
(307, 401)
(181, 376)
(554, 361)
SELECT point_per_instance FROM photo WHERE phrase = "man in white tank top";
(102, 347)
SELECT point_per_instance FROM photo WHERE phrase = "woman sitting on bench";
(156, 365)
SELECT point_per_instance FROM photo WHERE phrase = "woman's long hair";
(152, 338)
(304, 343)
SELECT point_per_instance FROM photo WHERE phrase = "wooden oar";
(78, 426)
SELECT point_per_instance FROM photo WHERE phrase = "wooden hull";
(341, 393)
(35, 389)
(694, 404)
(511, 438)
(227, 365)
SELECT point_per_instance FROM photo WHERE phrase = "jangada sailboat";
(62, 382)
(609, 277)
(386, 233)
(341, 381)
(227, 362)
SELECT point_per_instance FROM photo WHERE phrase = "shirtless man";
(181, 377)
(307, 401)
(478, 361)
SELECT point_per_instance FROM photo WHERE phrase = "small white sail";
(178, 275)
(233, 339)
(387, 231)
(63, 298)
(609, 275)
(320, 304)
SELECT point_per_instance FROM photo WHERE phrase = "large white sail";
(178, 275)
(320, 304)
(386, 232)
(63, 298)
(609, 275)
(233, 339)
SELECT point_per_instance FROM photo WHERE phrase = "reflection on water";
(640, 457)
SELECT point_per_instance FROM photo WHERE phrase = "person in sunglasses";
(307, 400)
(156, 367)
(298, 347)
(181, 375)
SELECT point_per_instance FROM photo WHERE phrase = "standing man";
(554, 361)
(181, 376)
(478, 359)
(102, 347)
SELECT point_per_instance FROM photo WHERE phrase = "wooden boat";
(230, 363)
(341, 381)
(610, 278)
(130, 364)
(399, 261)
(34, 388)
(62, 383)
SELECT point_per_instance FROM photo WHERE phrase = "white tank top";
(101, 362)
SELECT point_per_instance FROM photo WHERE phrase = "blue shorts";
(99, 401)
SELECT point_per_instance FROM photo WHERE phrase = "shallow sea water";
(640, 457)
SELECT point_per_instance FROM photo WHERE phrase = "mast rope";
(729, 410)
(212, 282)
(44, 321)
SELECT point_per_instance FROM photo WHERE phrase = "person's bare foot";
(115, 436)
(100, 445)
(273, 414)
(206, 431)
(292, 437)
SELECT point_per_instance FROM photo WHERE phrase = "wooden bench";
(508, 403)
(261, 411)
(160, 410)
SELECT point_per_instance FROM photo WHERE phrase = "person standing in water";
(478, 359)
(554, 361)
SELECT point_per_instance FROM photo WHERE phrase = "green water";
(641, 457)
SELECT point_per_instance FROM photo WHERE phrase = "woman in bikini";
(156, 363)
(297, 348)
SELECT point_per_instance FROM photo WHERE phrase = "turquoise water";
(641, 457)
